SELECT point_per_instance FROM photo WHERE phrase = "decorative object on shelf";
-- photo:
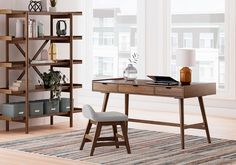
(35, 6)
(19, 28)
(40, 29)
(44, 5)
(52, 52)
(130, 73)
(185, 58)
(19, 85)
(53, 7)
(44, 55)
(53, 80)
(33, 32)
(61, 30)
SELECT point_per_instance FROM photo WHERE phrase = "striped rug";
(147, 147)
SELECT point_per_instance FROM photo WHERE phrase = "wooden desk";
(142, 87)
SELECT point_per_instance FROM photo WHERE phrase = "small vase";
(130, 73)
(52, 9)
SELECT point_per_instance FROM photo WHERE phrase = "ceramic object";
(44, 4)
(19, 28)
(52, 9)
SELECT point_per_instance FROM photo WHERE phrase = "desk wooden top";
(145, 87)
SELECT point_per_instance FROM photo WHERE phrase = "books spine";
(30, 28)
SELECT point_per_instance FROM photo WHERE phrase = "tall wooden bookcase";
(22, 44)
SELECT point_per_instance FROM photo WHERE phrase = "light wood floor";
(219, 128)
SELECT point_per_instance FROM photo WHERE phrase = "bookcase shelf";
(22, 45)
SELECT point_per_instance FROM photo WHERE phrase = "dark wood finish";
(97, 134)
(109, 141)
(27, 77)
(22, 44)
(38, 88)
(86, 133)
(7, 126)
(71, 70)
(105, 101)
(144, 87)
(154, 122)
(181, 118)
(114, 127)
(200, 99)
(124, 129)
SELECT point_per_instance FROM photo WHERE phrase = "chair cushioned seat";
(109, 116)
(89, 113)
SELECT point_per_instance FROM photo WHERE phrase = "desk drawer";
(169, 91)
(136, 89)
(105, 87)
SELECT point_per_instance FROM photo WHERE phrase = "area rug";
(147, 147)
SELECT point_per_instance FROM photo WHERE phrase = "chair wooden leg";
(125, 134)
(115, 137)
(86, 132)
(97, 134)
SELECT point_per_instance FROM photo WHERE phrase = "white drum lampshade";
(185, 58)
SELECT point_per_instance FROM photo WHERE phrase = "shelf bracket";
(21, 75)
(40, 50)
(37, 71)
(20, 49)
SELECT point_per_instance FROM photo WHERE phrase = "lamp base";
(185, 76)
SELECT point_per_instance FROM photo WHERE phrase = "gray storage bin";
(65, 104)
(17, 109)
(13, 109)
(36, 108)
(51, 106)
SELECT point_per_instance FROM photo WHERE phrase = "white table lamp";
(185, 58)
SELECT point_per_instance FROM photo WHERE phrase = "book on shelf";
(42, 61)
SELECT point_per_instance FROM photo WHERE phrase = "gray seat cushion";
(89, 113)
(110, 116)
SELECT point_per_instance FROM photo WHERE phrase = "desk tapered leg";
(105, 101)
(181, 117)
(200, 99)
(127, 107)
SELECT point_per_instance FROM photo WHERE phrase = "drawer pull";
(104, 83)
(21, 113)
(135, 85)
(36, 111)
(168, 87)
(53, 109)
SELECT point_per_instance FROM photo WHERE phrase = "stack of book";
(19, 85)
(35, 29)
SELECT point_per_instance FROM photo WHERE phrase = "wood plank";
(56, 38)
(5, 11)
(6, 38)
(195, 126)
(17, 65)
(38, 88)
(154, 122)
(75, 13)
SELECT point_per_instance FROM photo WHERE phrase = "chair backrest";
(88, 112)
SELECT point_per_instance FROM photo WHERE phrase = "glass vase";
(130, 73)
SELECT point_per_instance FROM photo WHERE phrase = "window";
(114, 36)
(200, 24)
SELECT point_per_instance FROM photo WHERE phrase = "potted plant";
(53, 80)
(53, 7)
